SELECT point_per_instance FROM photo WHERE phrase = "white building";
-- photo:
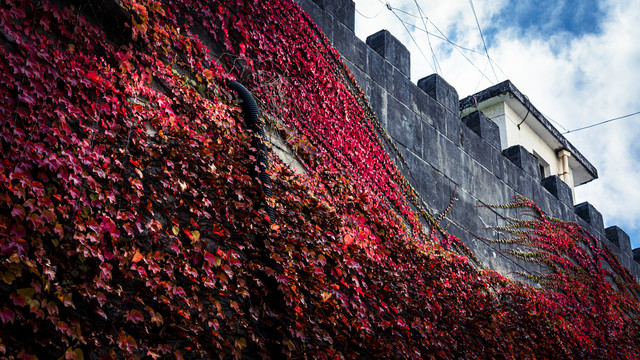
(520, 123)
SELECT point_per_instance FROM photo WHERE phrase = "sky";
(578, 61)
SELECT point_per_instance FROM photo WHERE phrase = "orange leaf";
(348, 239)
(137, 256)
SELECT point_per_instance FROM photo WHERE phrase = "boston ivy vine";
(132, 222)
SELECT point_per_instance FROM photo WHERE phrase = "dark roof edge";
(508, 87)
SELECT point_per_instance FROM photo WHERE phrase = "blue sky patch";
(545, 18)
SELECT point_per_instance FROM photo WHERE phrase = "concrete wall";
(444, 152)
(516, 130)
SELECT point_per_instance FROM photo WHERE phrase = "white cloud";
(576, 81)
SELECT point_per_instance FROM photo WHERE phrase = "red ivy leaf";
(18, 211)
(135, 316)
(7, 315)
(93, 76)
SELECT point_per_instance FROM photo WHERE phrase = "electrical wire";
(412, 38)
(480, 80)
(553, 121)
(445, 39)
(386, 3)
(602, 122)
(391, 8)
(370, 17)
(461, 53)
(482, 37)
(460, 48)
(433, 53)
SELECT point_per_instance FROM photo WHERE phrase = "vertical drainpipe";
(273, 298)
(566, 175)
(564, 160)
(252, 117)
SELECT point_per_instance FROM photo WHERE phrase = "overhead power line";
(370, 17)
(602, 122)
(394, 9)
(412, 38)
(482, 37)
(454, 44)
(433, 53)
(445, 39)
(553, 121)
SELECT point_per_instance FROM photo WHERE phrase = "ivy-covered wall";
(133, 222)
(446, 155)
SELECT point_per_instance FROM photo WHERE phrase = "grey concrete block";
(460, 169)
(362, 79)
(452, 127)
(453, 161)
(418, 103)
(432, 186)
(619, 238)
(547, 202)
(392, 50)
(634, 268)
(343, 39)
(484, 127)
(401, 85)
(360, 56)
(526, 184)
(498, 162)
(404, 126)
(381, 71)
(322, 19)
(558, 188)
(588, 213)
(465, 213)
(436, 87)
(623, 258)
(468, 140)
(476, 147)
(489, 189)
(432, 150)
(424, 123)
(343, 10)
(566, 212)
(378, 101)
(523, 159)
(430, 110)
(511, 174)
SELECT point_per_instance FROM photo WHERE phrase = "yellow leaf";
(175, 230)
(7, 277)
(241, 343)
(27, 292)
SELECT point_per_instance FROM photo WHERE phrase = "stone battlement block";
(392, 50)
(619, 238)
(441, 91)
(484, 127)
(342, 10)
(589, 214)
(558, 188)
(523, 159)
